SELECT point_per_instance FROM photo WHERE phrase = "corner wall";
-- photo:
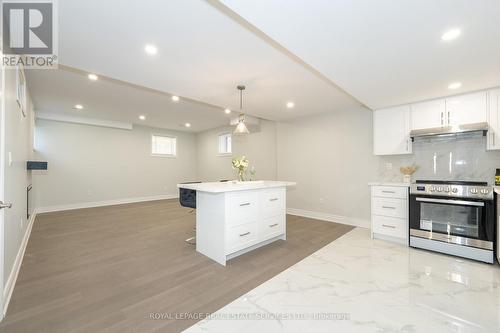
(258, 147)
(331, 158)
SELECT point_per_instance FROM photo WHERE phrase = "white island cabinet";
(236, 217)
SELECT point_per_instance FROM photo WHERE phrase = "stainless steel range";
(453, 217)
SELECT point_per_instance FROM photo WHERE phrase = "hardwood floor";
(109, 269)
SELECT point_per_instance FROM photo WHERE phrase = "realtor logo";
(28, 33)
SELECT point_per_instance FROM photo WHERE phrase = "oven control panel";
(454, 191)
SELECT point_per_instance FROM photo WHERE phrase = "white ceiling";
(382, 52)
(387, 52)
(203, 54)
(55, 93)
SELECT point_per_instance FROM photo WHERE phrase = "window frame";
(165, 136)
(219, 153)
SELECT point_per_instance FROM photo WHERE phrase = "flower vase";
(407, 179)
(241, 175)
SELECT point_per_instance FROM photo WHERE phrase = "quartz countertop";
(401, 184)
(230, 186)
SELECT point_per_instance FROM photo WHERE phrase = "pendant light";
(241, 128)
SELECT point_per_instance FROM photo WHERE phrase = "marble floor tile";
(356, 284)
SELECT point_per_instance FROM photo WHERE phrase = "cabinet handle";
(273, 199)
(388, 192)
(407, 145)
(493, 139)
(245, 204)
(448, 117)
(245, 234)
(442, 118)
(388, 207)
(273, 225)
(389, 226)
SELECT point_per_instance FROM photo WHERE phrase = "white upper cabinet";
(391, 131)
(493, 142)
(466, 109)
(429, 114)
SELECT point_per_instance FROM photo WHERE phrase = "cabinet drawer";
(389, 207)
(242, 207)
(390, 226)
(240, 237)
(272, 227)
(272, 202)
(390, 191)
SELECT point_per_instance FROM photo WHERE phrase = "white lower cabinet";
(389, 214)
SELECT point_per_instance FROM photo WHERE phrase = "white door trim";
(2, 186)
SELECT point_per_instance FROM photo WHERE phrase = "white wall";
(18, 141)
(258, 147)
(90, 164)
(330, 157)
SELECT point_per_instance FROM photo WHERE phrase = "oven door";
(459, 221)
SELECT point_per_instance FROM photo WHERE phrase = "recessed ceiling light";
(150, 49)
(175, 98)
(454, 85)
(93, 77)
(227, 111)
(187, 124)
(141, 117)
(451, 34)
(290, 105)
(78, 106)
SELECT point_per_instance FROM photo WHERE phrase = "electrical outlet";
(388, 166)
(321, 200)
(89, 192)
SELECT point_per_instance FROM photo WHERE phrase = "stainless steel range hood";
(450, 130)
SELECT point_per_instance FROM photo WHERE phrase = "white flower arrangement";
(240, 163)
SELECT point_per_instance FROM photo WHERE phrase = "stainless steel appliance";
(456, 218)
(498, 227)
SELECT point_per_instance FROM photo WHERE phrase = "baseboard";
(11, 281)
(329, 217)
(58, 208)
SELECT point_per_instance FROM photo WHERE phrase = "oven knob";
(432, 189)
(485, 191)
(473, 190)
(454, 190)
(440, 189)
(447, 189)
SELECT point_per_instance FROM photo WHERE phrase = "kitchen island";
(233, 218)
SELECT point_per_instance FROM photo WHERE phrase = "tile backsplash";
(456, 157)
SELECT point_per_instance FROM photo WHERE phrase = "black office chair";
(187, 198)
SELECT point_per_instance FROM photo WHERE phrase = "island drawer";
(273, 202)
(242, 207)
(240, 237)
(272, 227)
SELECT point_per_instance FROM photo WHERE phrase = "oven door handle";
(453, 202)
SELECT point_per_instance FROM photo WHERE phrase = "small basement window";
(225, 144)
(162, 145)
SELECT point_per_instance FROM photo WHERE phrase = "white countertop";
(389, 184)
(219, 187)
(496, 189)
